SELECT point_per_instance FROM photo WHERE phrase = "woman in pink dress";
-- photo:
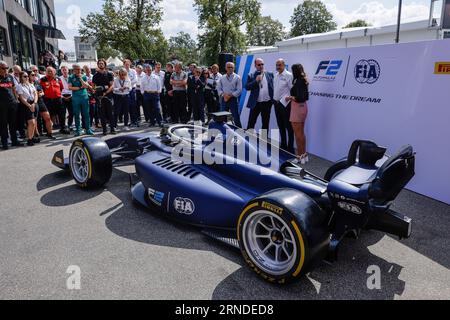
(299, 110)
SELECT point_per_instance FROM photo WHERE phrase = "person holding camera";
(79, 86)
(103, 82)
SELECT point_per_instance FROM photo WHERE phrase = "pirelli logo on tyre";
(442, 68)
(272, 207)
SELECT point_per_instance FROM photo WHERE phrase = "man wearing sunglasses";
(260, 85)
(8, 107)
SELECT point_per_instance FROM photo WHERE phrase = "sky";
(179, 15)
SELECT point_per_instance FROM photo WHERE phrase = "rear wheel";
(90, 162)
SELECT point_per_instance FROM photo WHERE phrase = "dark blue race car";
(252, 195)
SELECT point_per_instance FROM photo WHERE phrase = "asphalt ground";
(48, 224)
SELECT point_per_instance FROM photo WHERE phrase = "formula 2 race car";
(283, 218)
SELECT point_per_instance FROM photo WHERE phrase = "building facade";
(85, 49)
(27, 31)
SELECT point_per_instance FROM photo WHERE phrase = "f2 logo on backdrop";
(331, 67)
(367, 71)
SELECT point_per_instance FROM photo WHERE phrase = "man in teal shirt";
(80, 99)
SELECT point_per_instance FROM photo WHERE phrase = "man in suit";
(260, 85)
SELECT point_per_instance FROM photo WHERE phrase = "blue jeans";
(151, 103)
(233, 107)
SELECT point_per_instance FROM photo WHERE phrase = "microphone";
(261, 83)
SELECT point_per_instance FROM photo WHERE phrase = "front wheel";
(90, 162)
(276, 240)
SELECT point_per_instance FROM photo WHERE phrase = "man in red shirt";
(52, 87)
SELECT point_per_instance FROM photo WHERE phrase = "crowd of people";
(37, 102)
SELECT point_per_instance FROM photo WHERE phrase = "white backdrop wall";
(405, 103)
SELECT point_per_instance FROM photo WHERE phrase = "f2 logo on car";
(331, 67)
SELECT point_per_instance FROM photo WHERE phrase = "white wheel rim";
(79, 164)
(269, 242)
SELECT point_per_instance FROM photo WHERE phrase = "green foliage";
(265, 31)
(220, 22)
(128, 26)
(183, 48)
(358, 23)
(311, 16)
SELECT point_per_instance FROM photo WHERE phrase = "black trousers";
(164, 110)
(122, 106)
(168, 102)
(212, 101)
(179, 105)
(140, 103)
(8, 120)
(106, 112)
(67, 106)
(284, 125)
(263, 108)
(20, 121)
(56, 106)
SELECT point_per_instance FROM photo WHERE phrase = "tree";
(358, 23)
(220, 22)
(131, 27)
(265, 32)
(183, 48)
(311, 16)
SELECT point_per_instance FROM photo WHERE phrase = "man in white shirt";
(282, 90)
(151, 89)
(66, 96)
(135, 114)
(161, 75)
(139, 97)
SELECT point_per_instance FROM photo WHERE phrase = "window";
(4, 50)
(84, 47)
(2, 5)
(45, 18)
(22, 3)
(34, 9)
(21, 43)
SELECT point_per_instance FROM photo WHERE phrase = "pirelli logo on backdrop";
(442, 68)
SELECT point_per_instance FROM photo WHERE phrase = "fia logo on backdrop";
(367, 71)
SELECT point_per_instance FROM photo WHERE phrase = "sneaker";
(126, 128)
(90, 132)
(36, 140)
(30, 143)
(77, 134)
(51, 137)
(5, 147)
(304, 159)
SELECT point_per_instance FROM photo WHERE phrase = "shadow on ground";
(345, 279)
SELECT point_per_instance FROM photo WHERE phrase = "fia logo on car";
(367, 71)
(184, 206)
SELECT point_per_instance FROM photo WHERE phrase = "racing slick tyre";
(283, 234)
(90, 162)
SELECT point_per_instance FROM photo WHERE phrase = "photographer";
(103, 81)
(80, 100)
